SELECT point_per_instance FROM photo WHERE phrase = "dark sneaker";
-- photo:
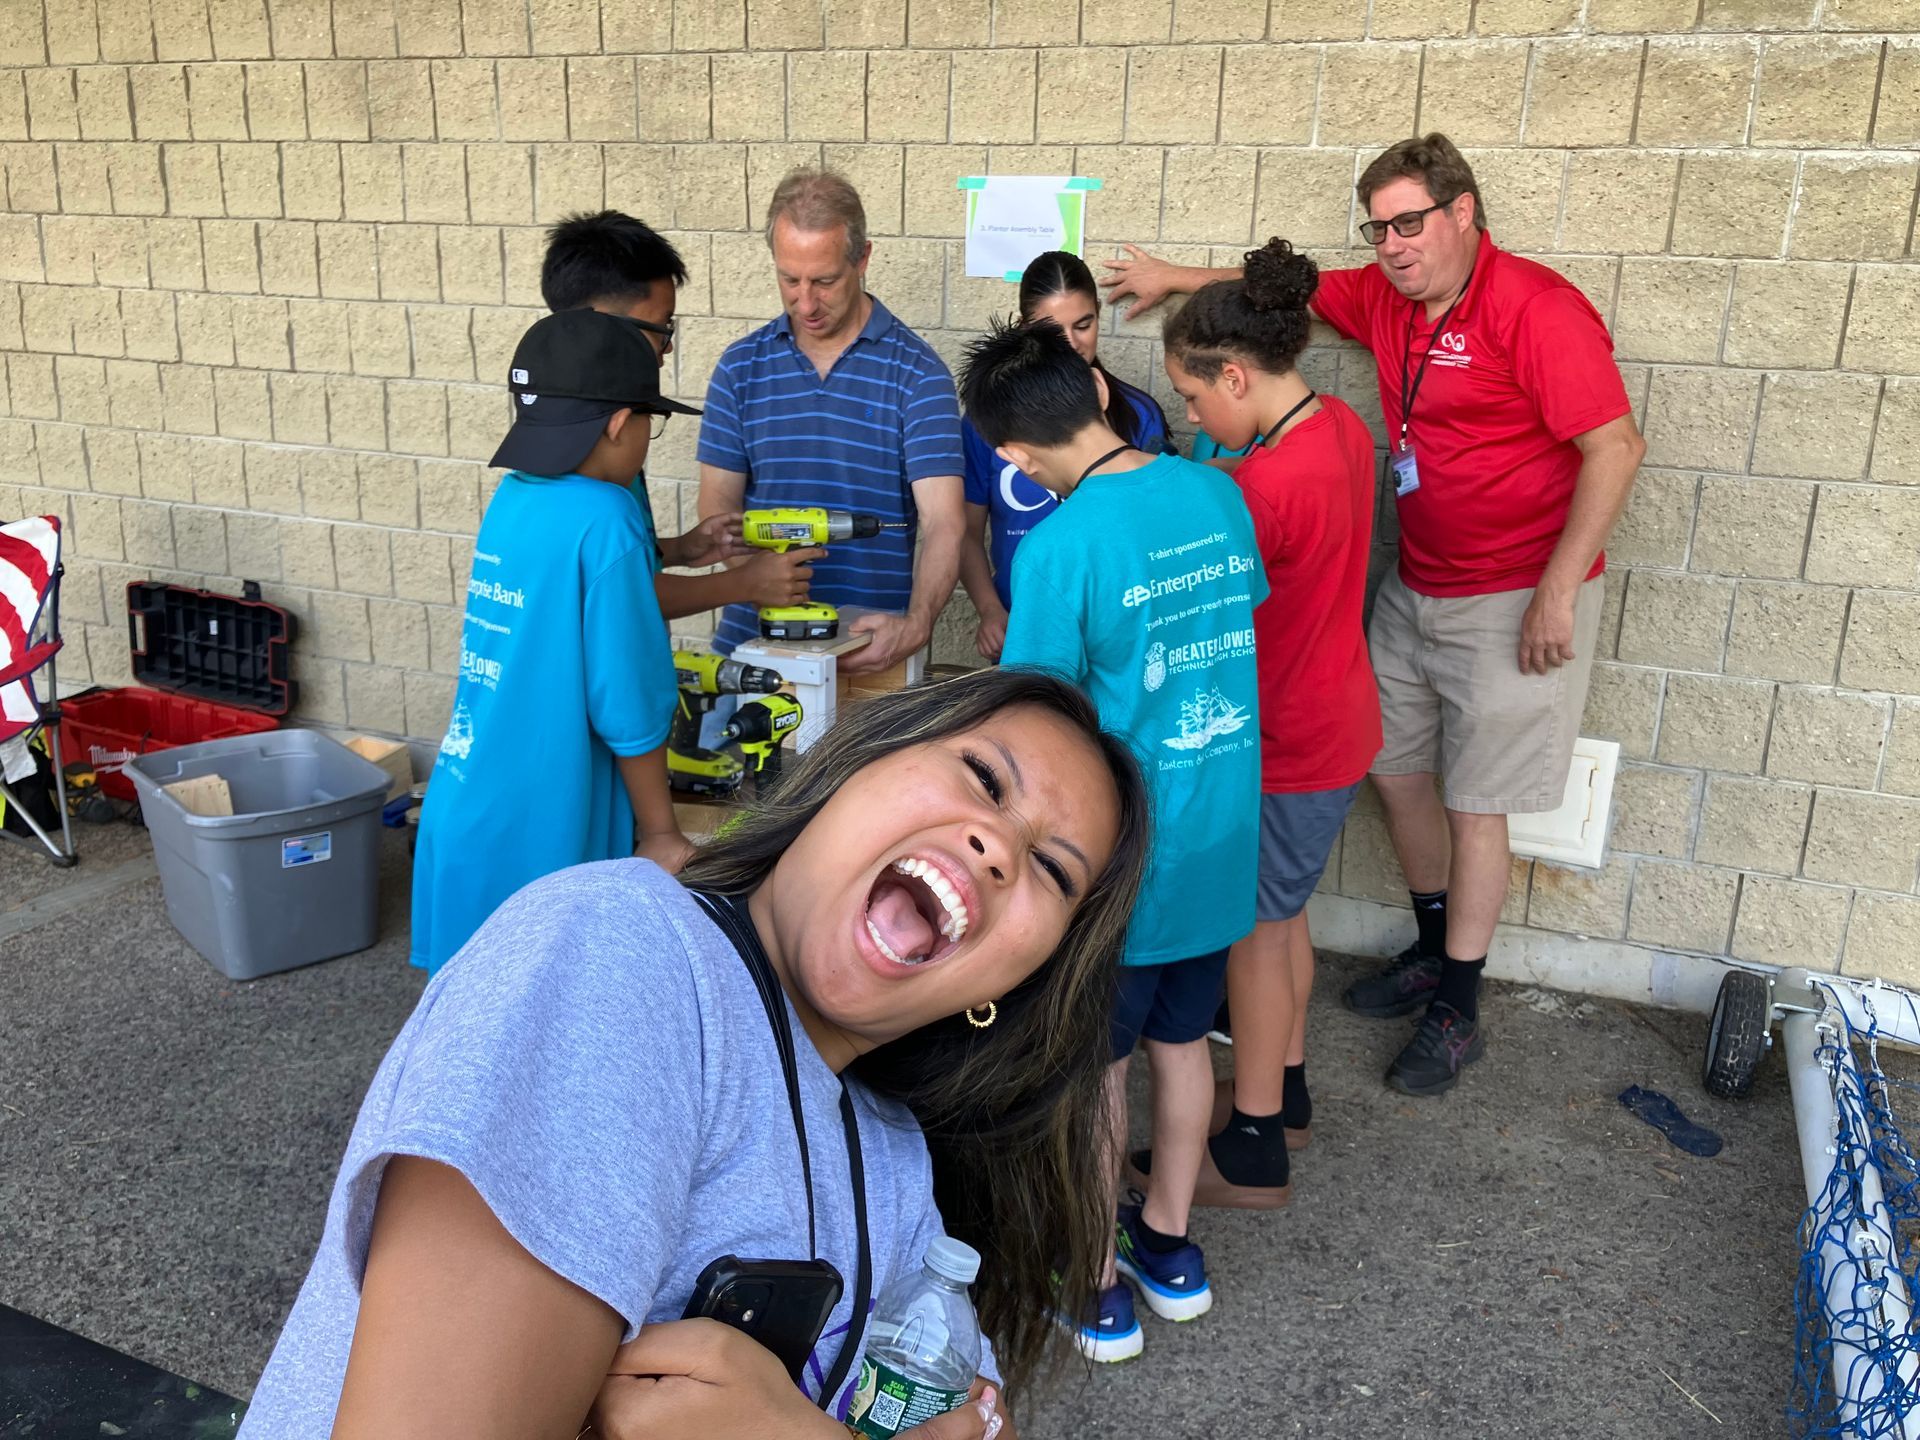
(1444, 1045)
(1222, 1031)
(1112, 1333)
(1174, 1285)
(1400, 987)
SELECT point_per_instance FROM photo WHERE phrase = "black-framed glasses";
(653, 327)
(1407, 224)
(660, 423)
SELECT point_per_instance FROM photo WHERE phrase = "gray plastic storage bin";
(293, 875)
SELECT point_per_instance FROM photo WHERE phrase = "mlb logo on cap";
(519, 377)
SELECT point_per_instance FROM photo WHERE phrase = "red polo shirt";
(1525, 364)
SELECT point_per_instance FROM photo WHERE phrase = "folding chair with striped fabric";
(30, 637)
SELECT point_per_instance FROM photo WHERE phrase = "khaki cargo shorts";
(1453, 700)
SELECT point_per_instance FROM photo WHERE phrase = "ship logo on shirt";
(459, 738)
(1205, 718)
(1155, 674)
(1449, 350)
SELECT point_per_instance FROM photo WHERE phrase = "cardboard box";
(391, 756)
(202, 795)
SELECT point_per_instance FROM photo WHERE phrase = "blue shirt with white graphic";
(564, 665)
(884, 416)
(1141, 590)
(1016, 502)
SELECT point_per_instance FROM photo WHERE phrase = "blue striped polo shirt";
(884, 416)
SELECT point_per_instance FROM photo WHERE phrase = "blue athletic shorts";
(1297, 834)
(1171, 1003)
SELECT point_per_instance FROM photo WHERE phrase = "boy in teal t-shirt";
(557, 742)
(1141, 588)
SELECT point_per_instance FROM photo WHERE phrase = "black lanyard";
(1408, 393)
(729, 912)
(1117, 450)
(1281, 423)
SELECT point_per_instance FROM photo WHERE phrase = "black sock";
(1296, 1105)
(1252, 1150)
(1156, 1242)
(1460, 985)
(1430, 914)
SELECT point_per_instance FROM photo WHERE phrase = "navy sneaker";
(1444, 1045)
(1174, 1285)
(1113, 1334)
(1400, 987)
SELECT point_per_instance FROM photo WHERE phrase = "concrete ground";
(1521, 1257)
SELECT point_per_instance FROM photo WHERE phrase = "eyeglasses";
(660, 427)
(1407, 224)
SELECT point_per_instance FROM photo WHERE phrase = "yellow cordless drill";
(758, 727)
(780, 531)
(702, 677)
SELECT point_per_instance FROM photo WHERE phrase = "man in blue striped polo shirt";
(837, 403)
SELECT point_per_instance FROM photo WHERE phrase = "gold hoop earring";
(993, 1014)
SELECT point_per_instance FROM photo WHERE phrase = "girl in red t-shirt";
(1232, 354)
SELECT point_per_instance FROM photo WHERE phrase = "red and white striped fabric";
(29, 557)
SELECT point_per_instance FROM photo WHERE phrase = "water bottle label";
(885, 1402)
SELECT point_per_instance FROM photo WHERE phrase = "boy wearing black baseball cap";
(557, 743)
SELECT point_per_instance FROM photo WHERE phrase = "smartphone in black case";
(784, 1304)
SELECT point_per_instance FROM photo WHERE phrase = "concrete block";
(1673, 311)
(436, 179)
(1368, 93)
(1693, 91)
(232, 252)
(364, 29)
(1853, 207)
(1752, 527)
(356, 413)
(329, 485)
(95, 530)
(348, 262)
(160, 107)
(147, 529)
(81, 383)
(84, 186)
(907, 96)
(376, 698)
(1082, 95)
(206, 329)
(1583, 92)
(500, 178)
(1880, 938)
(423, 567)
(495, 27)
(173, 254)
(363, 561)
(1206, 194)
(276, 101)
(301, 28)
(1305, 196)
(1787, 922)
(871, 24)
(1198, 21)
(1623, 704)
(827, 94)
(1866, 535)
(675, 96)
(371, 182)
(416, 417)
(443, 342)
(1528, 184)
(60, 452)
(1658, 523)
(135, 182)
(1817, 426)
(273, 484)
(400, 103)
(311, 179)
(389, 490)
(933, 206)
(193, 179)
(878, 173)
(450, 496)
(1862, 839)
(200, 540)
(464, 102)
(1883, 642)
(1683, 907)
(1714, 723)
(52, 106)
(1896, 445)
(146, 320)
(527, 91)
(289, 258)
(993, 98)
(565, 27)
(567, 179)
(1786, 632)
(187, 392)
(1897, 122)
(103, 103)
(1900, 773)
(477, 416)
(1754, 824)
(217, 101)
(1756, 14)
(1473, 91)
(253, 546)
(951, 25)
(1675, 621)
(749, 97)
(495, 334)
(1788, 315)
(1713, 185)
(1654, 811)
(321, 338)
(1701, 418)
(601, 98)
(909, 274)
(1816, 90)
(133, 395)
(1830, 737)
(1580, 902)
(1173, 94)
(1879, 338)
(242, 406)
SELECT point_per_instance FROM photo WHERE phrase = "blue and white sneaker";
(1113, 1334)
(1174, 1285)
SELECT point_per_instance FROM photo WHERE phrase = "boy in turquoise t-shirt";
(557, 743)
(1141, 588)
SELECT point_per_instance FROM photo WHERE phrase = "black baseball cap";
(571, 370)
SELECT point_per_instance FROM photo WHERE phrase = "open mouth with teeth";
(914, 913)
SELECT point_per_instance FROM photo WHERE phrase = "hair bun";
(1277, 277)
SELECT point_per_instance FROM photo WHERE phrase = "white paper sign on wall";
(1012, 218)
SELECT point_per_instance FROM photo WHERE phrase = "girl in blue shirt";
(1004, 504)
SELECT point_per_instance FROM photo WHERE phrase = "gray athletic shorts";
(1298, 829)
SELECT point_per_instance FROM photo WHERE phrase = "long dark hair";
(1261, 317)
(1060, 272)
(1014, 1115)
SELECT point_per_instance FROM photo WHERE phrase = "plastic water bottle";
(925, 1350)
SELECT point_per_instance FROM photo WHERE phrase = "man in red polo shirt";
(1512, 450)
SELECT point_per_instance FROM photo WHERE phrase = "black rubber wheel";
(1737, 1034)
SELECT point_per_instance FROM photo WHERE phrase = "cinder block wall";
(264, 264)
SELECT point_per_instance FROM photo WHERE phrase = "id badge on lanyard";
(1406, 469)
